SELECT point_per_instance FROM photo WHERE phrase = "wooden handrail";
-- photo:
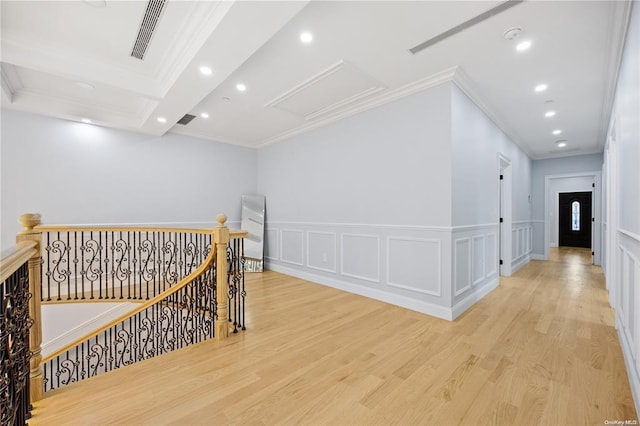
(186, 280)
(17, 256)
(81, 228)
(233, 234)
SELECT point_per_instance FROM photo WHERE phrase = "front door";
(574, 219)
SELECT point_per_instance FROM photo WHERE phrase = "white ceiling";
(359, 58)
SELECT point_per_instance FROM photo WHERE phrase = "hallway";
(540, 349)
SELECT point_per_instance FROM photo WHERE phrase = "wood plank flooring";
(540, 349)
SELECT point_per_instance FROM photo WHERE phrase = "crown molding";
(464, 83)
(382, 98)
(214, 138)
(11, 82)
(574, 153)
(618, 27)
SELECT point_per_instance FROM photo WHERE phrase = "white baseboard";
(478, 293)
(536, 256)
(632, 373)
(515, 267)
(86, 327)
(394, 299)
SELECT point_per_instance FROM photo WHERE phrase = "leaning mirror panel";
(253, 223)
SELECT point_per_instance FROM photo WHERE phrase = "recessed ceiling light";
(241, 87)
(561, 144)
(541, 87)
(84, 85)
(86, 120)
(161, 120)
(204, 115)
(523, 45)
(306, 37)
(557, 132)
(206, 70)
(549, 113)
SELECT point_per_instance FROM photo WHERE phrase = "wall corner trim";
(474, 297)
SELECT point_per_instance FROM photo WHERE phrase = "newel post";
(221, 240)
(36, 379)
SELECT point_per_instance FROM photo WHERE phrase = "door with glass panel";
(574, 219)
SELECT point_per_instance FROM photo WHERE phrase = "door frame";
(611, 267)
(505, 207)
(596, 205)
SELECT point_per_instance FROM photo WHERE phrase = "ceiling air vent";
(186, 119)
(150, 20)
(466, 24)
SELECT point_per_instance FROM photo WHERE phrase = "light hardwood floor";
(540, 349)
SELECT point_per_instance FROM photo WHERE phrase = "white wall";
(75, 173)
(389, 165)
(555, 166)
(383, 202)
(622, 168)
(476, 143)
(364, 204)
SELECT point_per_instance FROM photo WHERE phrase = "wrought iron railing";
(109, 263)
(15, 324)
(171, 272)
(182, 316)
(200, 306)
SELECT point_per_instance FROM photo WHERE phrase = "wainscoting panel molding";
(491, 251)
(361, 256)
(415, 264)
(521, 244)
(271, 244)
(462, 261)
(625, 298)
(321, 251)
(291, 246)
(475, 264)
(478, 255)
(437, 270)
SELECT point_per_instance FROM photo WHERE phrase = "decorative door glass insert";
(575, 216)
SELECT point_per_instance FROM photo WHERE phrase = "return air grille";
(186, 119)
(150, 20)
(466, 24)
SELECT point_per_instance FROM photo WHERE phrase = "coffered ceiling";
(72, 60)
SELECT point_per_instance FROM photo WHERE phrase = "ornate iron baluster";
(15, 323)
(75, 263)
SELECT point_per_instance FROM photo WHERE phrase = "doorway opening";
(579, 182)
(505, 219)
